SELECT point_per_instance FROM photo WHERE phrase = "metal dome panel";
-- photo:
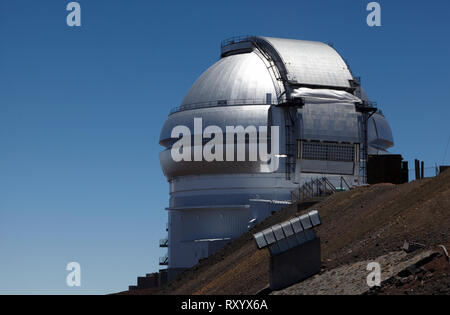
(241, 78)
(311, 63)
(380, 133)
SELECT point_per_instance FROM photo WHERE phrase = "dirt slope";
(351, 279)
(361, 224)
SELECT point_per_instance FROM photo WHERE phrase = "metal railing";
(220, 103)
(318, 187)
(343, 181)
(164, 242)
(236, 39)
(164, 260)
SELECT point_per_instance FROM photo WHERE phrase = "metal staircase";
(318, 187)
(273, 70)
(164, 260)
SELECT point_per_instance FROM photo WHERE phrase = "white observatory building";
(326, 128)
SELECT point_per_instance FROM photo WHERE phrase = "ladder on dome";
(273, 70)
(364, 152)
(290, 119)
(290, 113)
(367, 109)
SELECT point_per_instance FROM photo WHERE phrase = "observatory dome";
(299, 96)
(243, 74)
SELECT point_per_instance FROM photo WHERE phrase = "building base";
(295, 265)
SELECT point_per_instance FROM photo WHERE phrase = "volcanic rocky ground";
(365, 224)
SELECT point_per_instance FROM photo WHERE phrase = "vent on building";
(327, 151)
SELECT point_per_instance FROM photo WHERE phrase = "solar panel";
(260, 240)
(296, 225)
(278, 232)
(284, 236)
(287, 229)
(268, 235)
(306, 222)
(314, 216)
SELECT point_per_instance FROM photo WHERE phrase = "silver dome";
(242, 77)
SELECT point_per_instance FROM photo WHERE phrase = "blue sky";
(81, 110)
